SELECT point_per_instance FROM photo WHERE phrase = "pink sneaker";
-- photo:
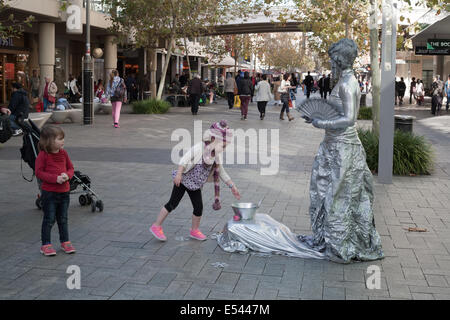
(67, 247)
(48, 250)
(197, 234)
(158, 232)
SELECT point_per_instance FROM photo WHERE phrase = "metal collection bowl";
(245, 210)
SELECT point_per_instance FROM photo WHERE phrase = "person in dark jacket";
(326, 86)
(321, 84)
(18, 105)
(412, 90)
(195, 90)
(397, 86)
(401, 90)
(245, 93)
(309, 84)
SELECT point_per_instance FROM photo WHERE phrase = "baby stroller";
(29, 153)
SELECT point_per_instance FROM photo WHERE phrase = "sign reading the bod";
(433, 44)
(73, 23)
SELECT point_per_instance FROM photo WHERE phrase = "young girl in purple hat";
(199, 165)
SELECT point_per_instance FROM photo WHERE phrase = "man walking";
(230, 88)
(326, 86)
(322, 86)
(412, 90)
(401, 91)
(194, 91)
(438, 93)
(309, 83)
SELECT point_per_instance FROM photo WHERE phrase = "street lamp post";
(88, 112)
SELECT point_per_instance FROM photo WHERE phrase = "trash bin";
(404, 123)
(147, 95)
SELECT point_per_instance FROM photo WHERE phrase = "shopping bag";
(237, 102)
(290, 104)
(51, 99)
(39, 106)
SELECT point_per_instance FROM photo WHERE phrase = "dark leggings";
(177, 195)
(262, 106)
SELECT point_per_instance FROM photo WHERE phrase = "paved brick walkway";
(130, 168)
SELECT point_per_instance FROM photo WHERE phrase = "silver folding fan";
(318, 109)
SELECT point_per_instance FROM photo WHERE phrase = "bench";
(177, 100)
(60, 116)
(98, 107)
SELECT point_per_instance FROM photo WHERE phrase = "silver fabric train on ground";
(266, 235)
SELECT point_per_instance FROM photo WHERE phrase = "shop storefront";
(14, 66)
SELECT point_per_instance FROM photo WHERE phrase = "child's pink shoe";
(158, 232)
(48, 250)
(67, 247)
(197, 234)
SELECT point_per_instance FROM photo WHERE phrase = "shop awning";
(438, 30)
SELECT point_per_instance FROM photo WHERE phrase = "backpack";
(5, 128)
(119, 91)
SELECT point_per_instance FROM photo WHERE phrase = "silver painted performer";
(341, 187)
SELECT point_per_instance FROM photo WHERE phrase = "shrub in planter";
(150, 106)
(365, 113)
(412, 154)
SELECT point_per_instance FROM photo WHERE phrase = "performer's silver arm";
(346, 93)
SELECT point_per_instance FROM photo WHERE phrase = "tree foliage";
(330, 21)
(10, 27)
(146, 22)
(284, 51)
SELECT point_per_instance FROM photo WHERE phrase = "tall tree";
(148, 22)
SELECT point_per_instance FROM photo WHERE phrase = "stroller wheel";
(83, 200)
(99, 205)
(93, 206)
(89, 199)
(38, 203)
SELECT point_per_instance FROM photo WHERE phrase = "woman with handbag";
(284, 90)
(117, 93)
(49, 94)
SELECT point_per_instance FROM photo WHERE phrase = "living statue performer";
(341, 187)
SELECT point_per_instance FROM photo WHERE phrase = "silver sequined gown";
(341, 188)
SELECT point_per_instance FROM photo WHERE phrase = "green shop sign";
(435, 47)
(436, 44)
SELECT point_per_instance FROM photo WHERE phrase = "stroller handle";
(20, 121)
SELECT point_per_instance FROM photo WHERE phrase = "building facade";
(49, 47)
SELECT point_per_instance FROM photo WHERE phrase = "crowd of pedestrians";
(242, 89)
